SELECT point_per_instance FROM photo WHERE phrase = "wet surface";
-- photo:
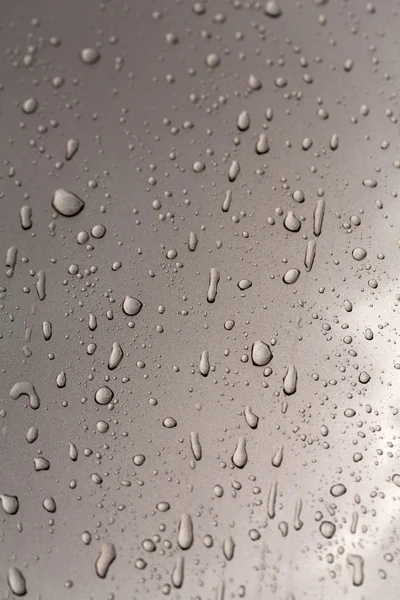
(199, 300)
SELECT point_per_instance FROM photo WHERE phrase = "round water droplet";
(272, 9)
(98, 231)
(213, 60)
(104, 395)
(359, 253)
(30, 106)
(327, 529)
(89, 56)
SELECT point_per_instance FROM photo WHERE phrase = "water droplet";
(262, 144)
(25, 388)
(50, 504)
(243, 121)
(291, 276)
(251, 418)
(71, 148)
(178, 572)
(327, 529)
(239, 457)
(89, 56)
(213, 60)
(291, 222)
(319, 213)
(357, 563)
(359, 253)
(338, 490)
(116, 356)
(195, 445)
(26, 217)
(309, 258)
(290, 380)
(104, 395)
(261, 353)
(272, 9)
(278, 457)
(228, 547)
(185, 532)
(16, 581)
(105, 559)
(234, 170)
(131, 306)
(10, 504)
(213, 285)
(67, 203)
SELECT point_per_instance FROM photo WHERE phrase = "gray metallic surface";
(155, 122)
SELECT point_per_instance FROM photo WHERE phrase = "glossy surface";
(199, 302)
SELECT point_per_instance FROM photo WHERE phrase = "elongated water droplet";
(311, 250)
(272, 495)
(220, 593)
(185, 531)
(334, 142)
(71, 148)
(105, 559)
(73, 452)
(262, 144)
(243, 122)
(234, 170)
(26, 217)
(61, 380)
(47, 330)
(32, 434)
(228, 547)
(115, 356)
(41, 285)
(11, 260)
(251, 418)
(297, 522)
(193, 241)
(370, 183)
(213, 285)
(195, 445)
(178, 572)
(278, 457)
(357, 563)
(239, 457)
(26, 388)
(204, 363)
(319, 216)
(290, 380)
(227, 201)
(16, 581)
